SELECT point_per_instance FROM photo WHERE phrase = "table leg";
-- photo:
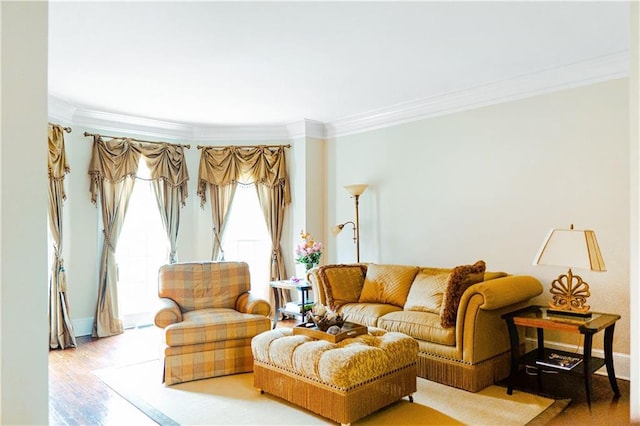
(302, 297)
(586, 360)
(515, 354)
(540, 356)
(276, 309)
(608, 358)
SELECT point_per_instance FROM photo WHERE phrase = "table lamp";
(571, 248)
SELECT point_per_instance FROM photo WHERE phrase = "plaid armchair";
(209, 318)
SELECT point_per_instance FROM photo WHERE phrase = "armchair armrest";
(250, 304)
(168, 313)
(501, 292)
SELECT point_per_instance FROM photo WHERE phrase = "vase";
(308, 266)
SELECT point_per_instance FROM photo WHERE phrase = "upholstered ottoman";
(342, 381)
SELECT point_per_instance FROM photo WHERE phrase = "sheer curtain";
(113, 168)
(221, 168)
(61, 334)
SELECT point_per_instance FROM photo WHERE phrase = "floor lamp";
(355, 191)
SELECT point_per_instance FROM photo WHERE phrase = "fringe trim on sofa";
(472, 378)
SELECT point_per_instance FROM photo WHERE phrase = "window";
(247, 239)
(142, 248)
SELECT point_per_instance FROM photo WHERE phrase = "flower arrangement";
(309, 251)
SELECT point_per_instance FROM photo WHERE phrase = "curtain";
(224, 167)
(61, 334)
(169, 179)
(219, 210)
(113, 168)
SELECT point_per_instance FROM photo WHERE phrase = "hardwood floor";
(78, 397)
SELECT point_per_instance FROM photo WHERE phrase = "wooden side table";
(539, 318)
(301, 286)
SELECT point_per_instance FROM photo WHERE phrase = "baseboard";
(83, 326)
(621, 362)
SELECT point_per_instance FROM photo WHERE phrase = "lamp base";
(570, 295)
(561, 312)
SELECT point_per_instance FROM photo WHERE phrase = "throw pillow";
(427, 291)
(461, 278)
(388, 284)
(342, 284)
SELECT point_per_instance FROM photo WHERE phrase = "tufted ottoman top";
(349, 363)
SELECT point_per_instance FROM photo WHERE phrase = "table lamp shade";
(571, 248)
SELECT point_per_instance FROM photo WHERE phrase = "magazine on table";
(564, 362)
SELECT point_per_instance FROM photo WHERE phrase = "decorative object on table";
(309, 251)
(324, 318)
(334, 334)
(571, 248)
(356, 191)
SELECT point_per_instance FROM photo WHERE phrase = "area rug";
(232, 400)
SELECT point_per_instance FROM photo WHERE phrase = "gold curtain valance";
(57, 161)
(118, 158)
(264, 165)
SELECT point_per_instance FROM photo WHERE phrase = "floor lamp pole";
(355, 191)
(357, 230)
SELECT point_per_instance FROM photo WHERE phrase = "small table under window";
(303, 287)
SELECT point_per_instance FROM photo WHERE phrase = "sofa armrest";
(168, 313)
(250, 304)
(501, 292)
(313, 278)
(481, 333)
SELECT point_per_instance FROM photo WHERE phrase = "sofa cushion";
(366, 313)
(461, 278)
(341, 283)
(387, 284)
(419, 325)
(427, 290)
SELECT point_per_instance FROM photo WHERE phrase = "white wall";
(634, 195)
(489, 183)
(23, 214)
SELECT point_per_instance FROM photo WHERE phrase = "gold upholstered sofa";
(454, 314)
(209, 318)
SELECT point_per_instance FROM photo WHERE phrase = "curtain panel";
(113, 168)
(222, 168)
(61, 333)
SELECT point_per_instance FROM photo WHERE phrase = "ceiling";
(233, 63)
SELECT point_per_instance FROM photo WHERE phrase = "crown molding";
(246, 132)
(306, 128)
(60, 111)
(594, 70)
(582, 73)
(120, 123)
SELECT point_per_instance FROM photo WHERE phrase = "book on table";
(564, 362)
(297, 307)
